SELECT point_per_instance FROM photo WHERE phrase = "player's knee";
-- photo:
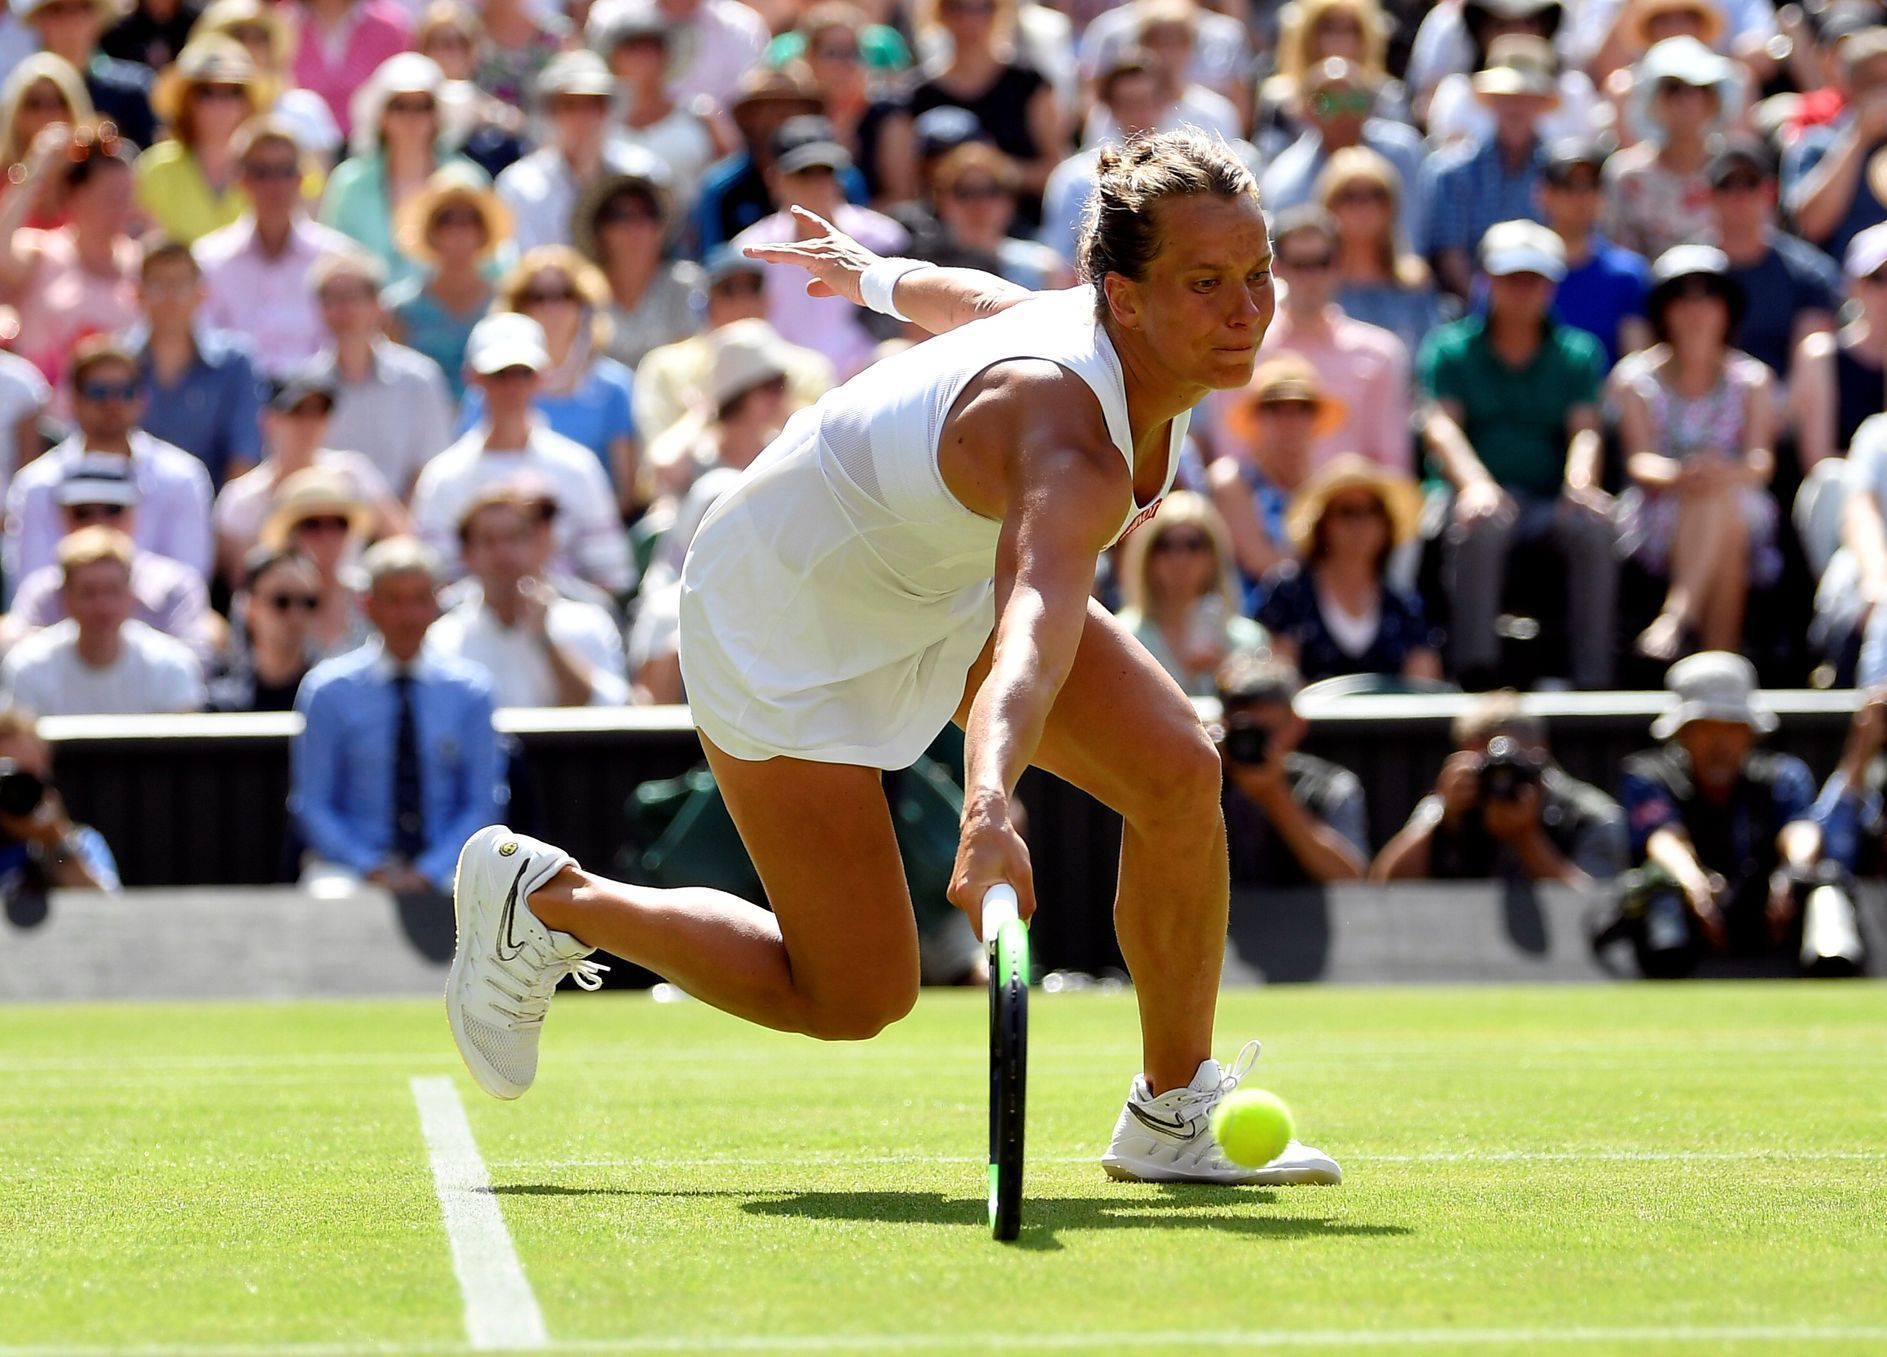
(1182, 783)
(863, 1013)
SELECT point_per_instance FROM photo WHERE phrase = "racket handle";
(999, 907)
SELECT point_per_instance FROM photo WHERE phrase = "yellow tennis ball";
(1252, 1126)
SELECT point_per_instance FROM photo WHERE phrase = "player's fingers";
(807, 214)
(818, 287)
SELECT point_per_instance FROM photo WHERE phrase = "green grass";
(1666, 1169)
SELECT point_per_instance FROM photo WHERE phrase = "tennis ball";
(1252, 1126)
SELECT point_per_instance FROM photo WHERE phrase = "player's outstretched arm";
(937, 299)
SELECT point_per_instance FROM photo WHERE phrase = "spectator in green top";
(1513, 423)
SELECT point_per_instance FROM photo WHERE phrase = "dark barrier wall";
(201, 800)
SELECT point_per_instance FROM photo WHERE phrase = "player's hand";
(835, 261)
(989, 852)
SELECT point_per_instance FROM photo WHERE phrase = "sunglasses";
(1356, 197)
(283, 603)
(415, 106)
(545, 296)
(99, 392)
(837, 54)
(93, 513)
(271, 174)
(324, 523)
(1330, 103)
(1188, 542)
(457, 216)
(53, 102)
(1353, 513)
(740, 285)
(1298, 408)
(1740, 183)
(627, 215)
(309, 409)
(978, 193)
(1667, 87)
(212, 93)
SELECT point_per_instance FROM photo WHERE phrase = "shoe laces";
(1198, 1101)
(533, 994)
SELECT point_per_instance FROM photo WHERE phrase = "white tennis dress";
(834, 600)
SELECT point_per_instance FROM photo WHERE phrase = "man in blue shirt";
(398, 764)
(1338, 97)
(201, 390)
(1471, 185)
(1604, 290)
(1791, 289)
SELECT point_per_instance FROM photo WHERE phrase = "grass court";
(1664, 1169)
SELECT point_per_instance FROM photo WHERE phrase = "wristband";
(878, 282)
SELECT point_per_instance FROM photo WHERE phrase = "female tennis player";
(919, 547)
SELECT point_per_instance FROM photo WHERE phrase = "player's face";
(1208, 297)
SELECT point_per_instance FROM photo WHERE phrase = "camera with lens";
(1507, 769)
(20, 791)
(1247, 743)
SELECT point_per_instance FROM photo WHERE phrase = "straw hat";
(746, 354)
(209, 60)
(223, 15)
(583, 216)
(1519, 64)
(109, 11)
(315, 492)
(1638, 22)
(1353, 471)
(1278, 381)
(453, 182)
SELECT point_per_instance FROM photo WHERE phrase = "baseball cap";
(97, 478)
(724, 261)
(807, 141)
(506, 340)
(1511, 247)
(1740, 153)
(943, 129)
(286, 392)
(1572, 153)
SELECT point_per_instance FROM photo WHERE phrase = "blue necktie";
(408, 824)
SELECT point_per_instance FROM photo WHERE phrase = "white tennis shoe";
(508, 963)
(1169, 1139)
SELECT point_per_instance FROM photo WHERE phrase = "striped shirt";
(1468, 188)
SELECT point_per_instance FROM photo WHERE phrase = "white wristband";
(877, 284)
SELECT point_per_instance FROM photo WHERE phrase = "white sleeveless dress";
(834, 600)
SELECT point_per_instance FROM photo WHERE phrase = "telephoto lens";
(20, 791)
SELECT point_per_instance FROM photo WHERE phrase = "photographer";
(1502, 808)
(1290, 819)
(40, 847)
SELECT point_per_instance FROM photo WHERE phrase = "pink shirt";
(64, 302)
(1364, 366)
(726, 39)
(267, 299)
(336, 63)
(828, 325)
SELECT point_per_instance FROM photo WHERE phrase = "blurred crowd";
(379, 357)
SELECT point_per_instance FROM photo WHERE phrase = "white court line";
(1239, 1339)
(839, 1160)
(500, 1308)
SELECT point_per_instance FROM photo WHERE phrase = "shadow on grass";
(1171, 1207)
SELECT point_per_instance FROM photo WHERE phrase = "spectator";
(1855, 583)
(173, 487)
(1513, 423)
(540, 649)
(1717, 817)
(1791, 288)
(1309, 34)
(1851, 821)
(507, 356)
(297, 425)
(390, 402)
(42, 847)
(1365, 368)
(319, 515)
(1473, 184)
(1603, 292)
(1010, 98)
(191, 184)
(673, 380)
(120, 91)
(201, 392)
(342, 43)
(1824, 181)
(542, 189)
(1503, 808)
(1697, 421)
(1178, 596)
(1333, 610)
(1129, 87)
(267, 654)
(1168, 32)
(398, 131)
(1836, 381)
(100, 661)
(745, 408)
(452, 229)
(264, 32)
(841, 53)
(40, 91)
(151, 33)
(736, 191)
(643, 50)
(584, 395)
(1657, 195)
(975, 192)
(623, 226)
(1338, 115)
(24, 398)
(256, 271)
(724, 40)
(1270, 429)
(78, 279)
(1291, 819)
(166, 595)
(804, 173)
(1378, 282)
(397, 764)
(487, 127)
(1454, 114)
(1219, 55)
(520, 41)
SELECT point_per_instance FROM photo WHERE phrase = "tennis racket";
(1008, 943)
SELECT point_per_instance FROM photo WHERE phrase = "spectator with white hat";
(1836, 381)
(1684, 96)
(507, 357)
(1513, 422)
